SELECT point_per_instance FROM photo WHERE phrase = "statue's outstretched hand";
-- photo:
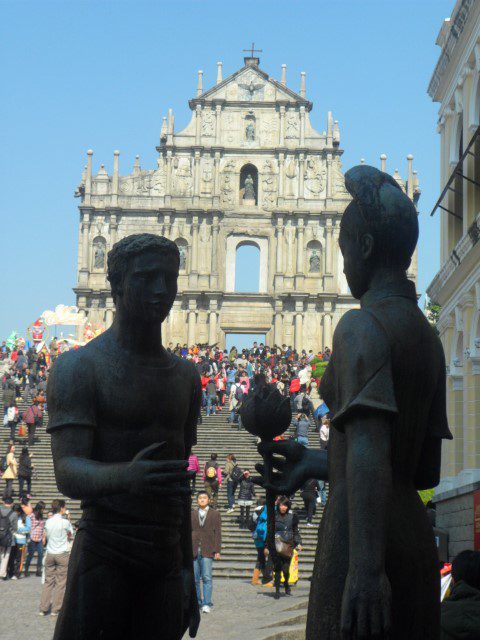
(157, 477)
(366, 605)
(290, 471)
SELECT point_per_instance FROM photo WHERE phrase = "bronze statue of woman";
(376, 567)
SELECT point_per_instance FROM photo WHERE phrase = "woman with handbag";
(287, 538)
(11, 471)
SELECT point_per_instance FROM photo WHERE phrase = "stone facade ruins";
(248, 169)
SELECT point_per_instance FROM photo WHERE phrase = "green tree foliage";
(318, 368)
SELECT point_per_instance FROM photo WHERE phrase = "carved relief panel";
(269, 184)
(315, 177)
(338, 178)
(182, 177)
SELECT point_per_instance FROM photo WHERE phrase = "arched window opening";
(249, 185)
(99, 254)
(182, 245)
(247, 268)
(314, 257)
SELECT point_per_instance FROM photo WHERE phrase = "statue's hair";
(129, 247)
(380, 207)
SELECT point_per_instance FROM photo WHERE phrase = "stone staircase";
(214, 435)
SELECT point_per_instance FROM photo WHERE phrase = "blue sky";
(100, 75)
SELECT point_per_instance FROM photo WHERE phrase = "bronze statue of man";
(376, 567)
(123, 414)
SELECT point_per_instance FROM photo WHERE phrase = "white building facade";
(249, 169)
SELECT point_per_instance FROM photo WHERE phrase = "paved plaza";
(241, 610)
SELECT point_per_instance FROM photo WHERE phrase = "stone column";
(216, 183)
(281, 176)
(168, 177)
(327, 330)
(212, 326)
(282, 126)
(279, 245)
(299, 325)
(329, 247)
(167, 225)
(191, 323)
(114, 196)
(194, 267)
(289, 237)
(302, 126)
(85, 241)
(196, 174)
(329, 176)
(215, 230)
(88, 178)
(113, 228)
(218, 120)
(198, 123)
(300, 256)
(278, 323)
(301, 175)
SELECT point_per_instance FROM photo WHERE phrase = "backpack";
(237, 473)
(299, 402)
(3, 464)
(260, 533)
(5, 530)
(239, 393)
(211, 470)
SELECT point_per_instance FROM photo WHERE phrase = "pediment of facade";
(251, 84)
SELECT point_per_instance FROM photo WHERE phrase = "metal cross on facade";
(253, 50)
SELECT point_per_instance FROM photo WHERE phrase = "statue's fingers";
(279, 463)
(144, 454)
(260, 468)
(258, 480)
(279, 447)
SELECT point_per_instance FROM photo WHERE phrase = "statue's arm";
(366, 599)
(428, 469)
(77, 475)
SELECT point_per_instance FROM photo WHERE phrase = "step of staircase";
(214, 434)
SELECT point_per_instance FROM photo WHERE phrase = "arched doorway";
(249, 184)
(247, 268)
(235, 241)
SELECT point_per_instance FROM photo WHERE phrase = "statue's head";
(379, 228)
(143, 272)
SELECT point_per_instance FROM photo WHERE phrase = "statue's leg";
(157, 604)
(96, 597)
